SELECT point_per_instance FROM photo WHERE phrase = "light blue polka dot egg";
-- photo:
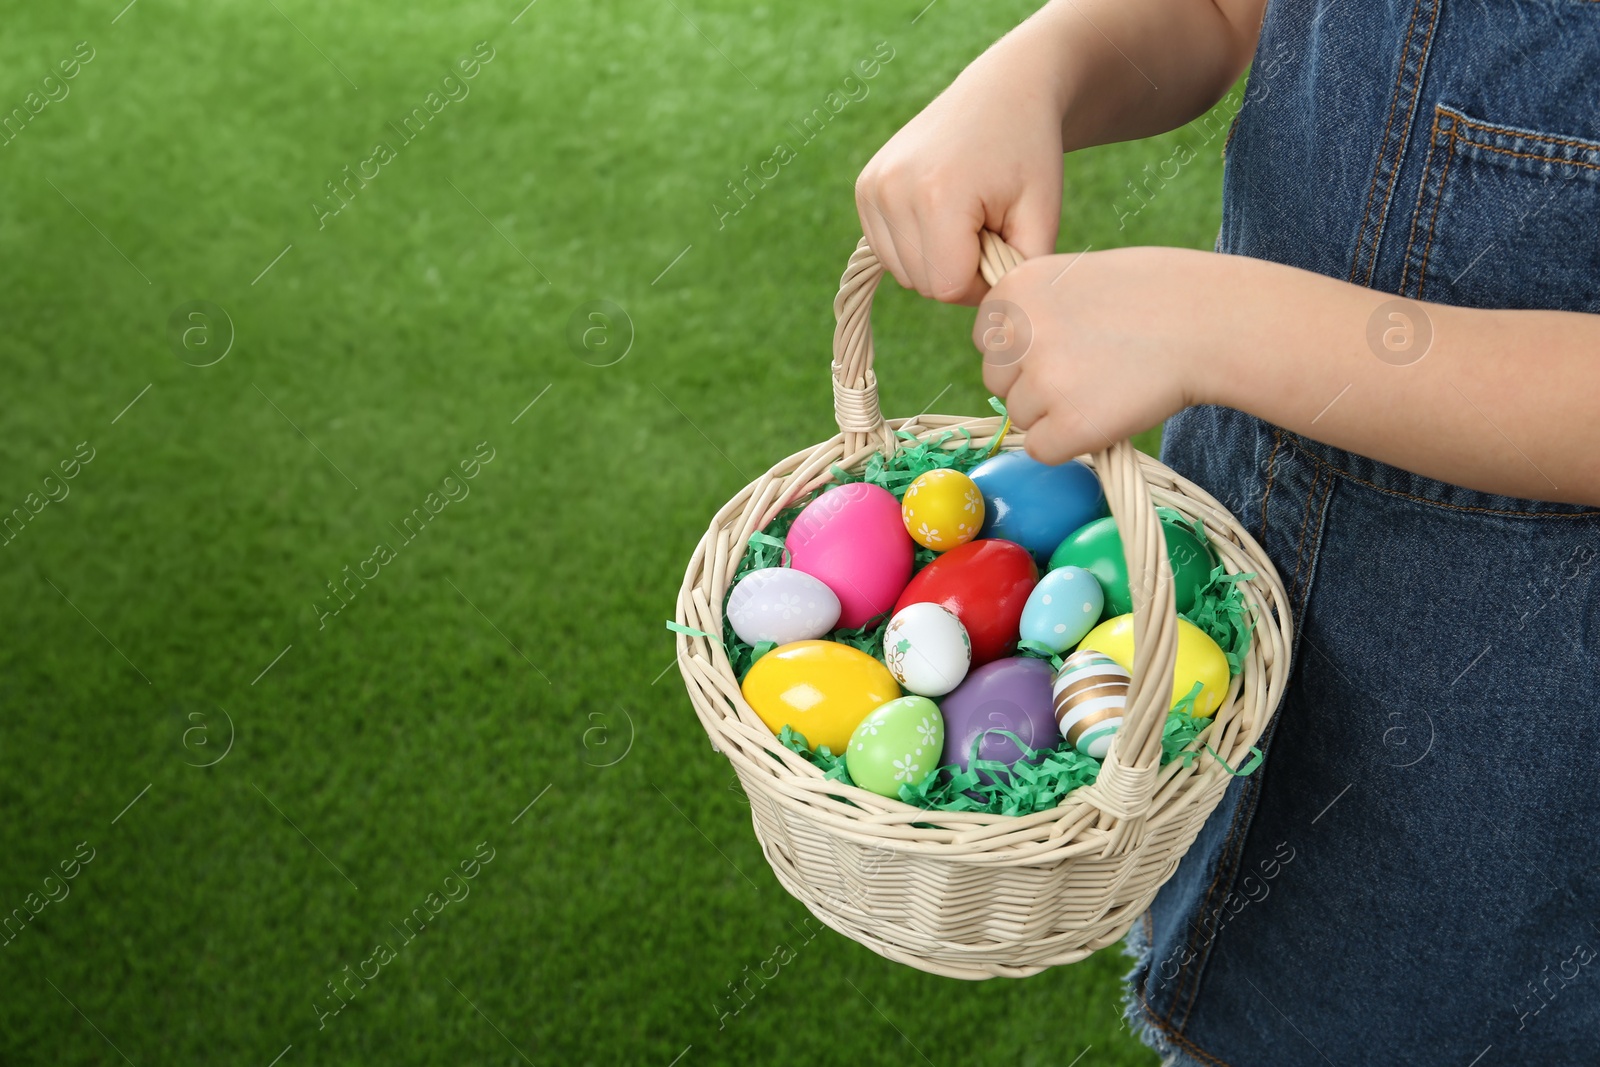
(1062, 608)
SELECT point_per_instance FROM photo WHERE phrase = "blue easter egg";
(1034, 504)
(1062, 608)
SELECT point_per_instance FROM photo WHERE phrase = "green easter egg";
(1097, 548)
(897, 744)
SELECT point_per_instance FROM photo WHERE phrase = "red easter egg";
(985, 584)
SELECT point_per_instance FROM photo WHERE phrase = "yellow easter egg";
(1199, 659)
(942, 509)
(821, 688)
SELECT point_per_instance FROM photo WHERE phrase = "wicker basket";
(963, 894)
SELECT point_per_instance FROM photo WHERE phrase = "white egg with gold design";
(927, 649)
(1091, 696)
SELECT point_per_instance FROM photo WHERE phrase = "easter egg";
(942, 509)
(985, 584)
(821, 688)
(897, 744)
(1091, 694)
(1199, 659)
(1035, 504)
(781, 605)
(851, 538)
(1063, 607)
(1009, 694)
(927, 649)
(1097, 548)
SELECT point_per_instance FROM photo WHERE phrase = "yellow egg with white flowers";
(1200, 659)
(823, 689)
(942, 509)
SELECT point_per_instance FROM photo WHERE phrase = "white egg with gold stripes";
(1091, 695)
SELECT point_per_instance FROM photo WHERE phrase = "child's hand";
(985, 155)
(1090, 348)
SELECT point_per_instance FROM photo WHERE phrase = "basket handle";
(1127, 782)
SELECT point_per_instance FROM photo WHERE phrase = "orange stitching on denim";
(1502, 131)
(1245, 804)
(1319, 461)
(1205, 906)
(1383, 145)
(1530, 155)
(1272, 472)
(1457, 137)
(1227, 863)
(1234, 125)
(1177, 1037)
(1322, 513)
(1399, 155)
(1394, 174)
(1427, 249)
(1300, 550)
(1422, 191)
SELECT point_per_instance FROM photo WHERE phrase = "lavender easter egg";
(853, 540)
(1008, 694)
(1035, 504)
(781, 605)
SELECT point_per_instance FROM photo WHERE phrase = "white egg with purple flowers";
(927, 649)
(781, 605)
(1062, 608)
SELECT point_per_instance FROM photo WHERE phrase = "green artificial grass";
(495, 639)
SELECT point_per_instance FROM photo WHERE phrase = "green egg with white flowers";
(897, 744)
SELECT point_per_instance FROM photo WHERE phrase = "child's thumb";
(1030, 225)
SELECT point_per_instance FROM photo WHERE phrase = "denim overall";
(1413, 876)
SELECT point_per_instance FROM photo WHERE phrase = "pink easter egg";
(853, 540)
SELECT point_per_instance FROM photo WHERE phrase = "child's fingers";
(995, 339)
(1050, 440)
(1025, 404)
(1031, 224)
(898, 222)
(949, 242)
(1003, 332)
(878, 234)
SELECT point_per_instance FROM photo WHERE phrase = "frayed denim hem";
(1137, 947)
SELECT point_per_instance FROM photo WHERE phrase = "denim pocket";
(1501, 211)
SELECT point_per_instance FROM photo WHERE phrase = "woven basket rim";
(872, 819)
(968, 894)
